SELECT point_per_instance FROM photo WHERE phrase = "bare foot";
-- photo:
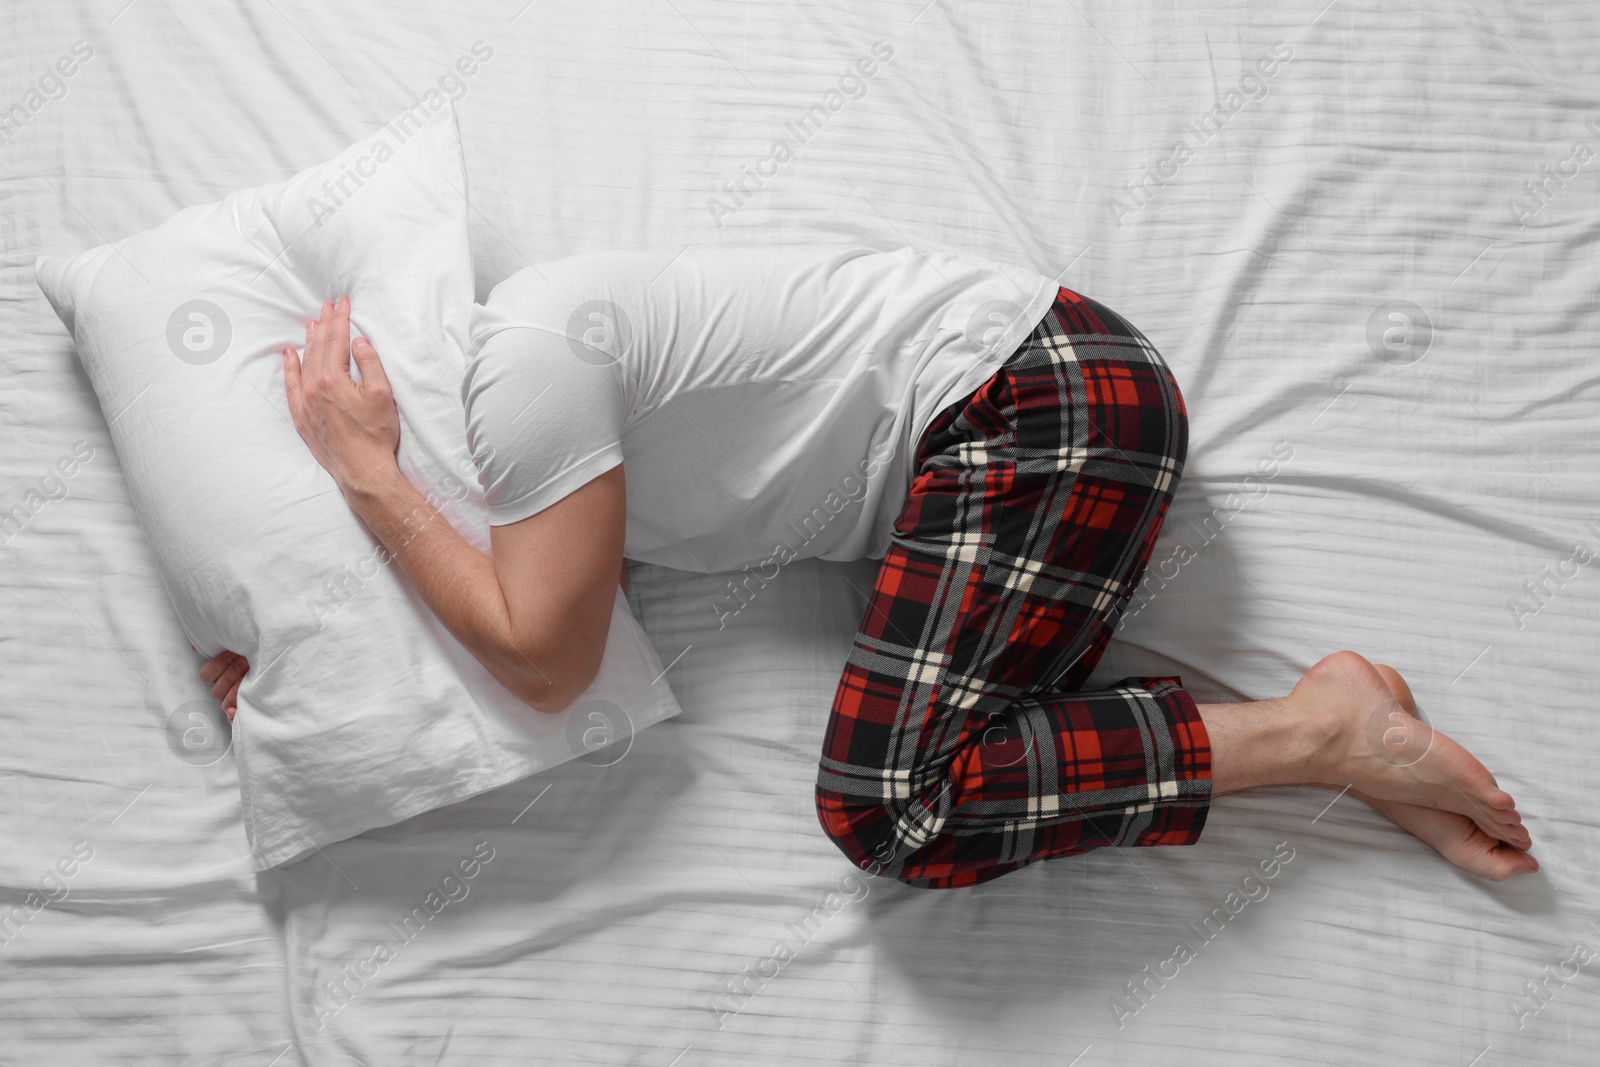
(1378, 748)
(1455, 837)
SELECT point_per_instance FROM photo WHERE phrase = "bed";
(1364, 236)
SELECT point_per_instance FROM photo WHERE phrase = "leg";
(956, 751)
(952, 755)
(1350, 725)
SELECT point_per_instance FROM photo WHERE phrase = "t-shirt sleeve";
(540, 421)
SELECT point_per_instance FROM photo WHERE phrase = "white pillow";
(360, 709)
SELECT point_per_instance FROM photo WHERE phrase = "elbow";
(546, 694)
(552, 689)
(544, 699)
(551, 667)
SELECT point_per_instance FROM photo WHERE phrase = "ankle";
(1307, 739)
(1267, 743)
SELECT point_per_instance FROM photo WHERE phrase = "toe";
(1397, 685)
(1459, 840)
(1515, 836)
(1501, 862)
(1491, 828)
(1481, 854)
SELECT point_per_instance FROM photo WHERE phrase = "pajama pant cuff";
(1180, 821)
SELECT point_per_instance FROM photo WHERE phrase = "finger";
(316, 347)
(230, 703)
(336, 336)
(291, 383)
(220, 687)
(212, 668)
(371, 366)
(307, 352)
(229, 678)
(216, 672)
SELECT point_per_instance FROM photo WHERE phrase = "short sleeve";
(540, 421)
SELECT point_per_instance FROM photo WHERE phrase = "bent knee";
(1143, 416)
(1145, 411)
(863, 832)
(1175, 435)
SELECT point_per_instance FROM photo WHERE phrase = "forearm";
(460, 585)
(541, 631)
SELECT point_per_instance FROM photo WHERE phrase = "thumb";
(366, 358)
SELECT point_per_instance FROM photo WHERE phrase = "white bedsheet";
(1416, 500)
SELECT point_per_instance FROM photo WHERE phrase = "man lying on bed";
(1007, 447)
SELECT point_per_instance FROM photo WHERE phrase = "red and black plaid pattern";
(958, 748)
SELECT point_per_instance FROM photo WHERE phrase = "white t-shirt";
(766, 404)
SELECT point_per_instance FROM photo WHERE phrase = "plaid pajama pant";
(958, 748)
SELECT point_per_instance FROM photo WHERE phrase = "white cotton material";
(359, 709)
(766, 405)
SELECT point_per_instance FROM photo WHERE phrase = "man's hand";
(352, 428)
(536, 610)
(223, 673)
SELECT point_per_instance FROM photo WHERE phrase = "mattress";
(1373, 270)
